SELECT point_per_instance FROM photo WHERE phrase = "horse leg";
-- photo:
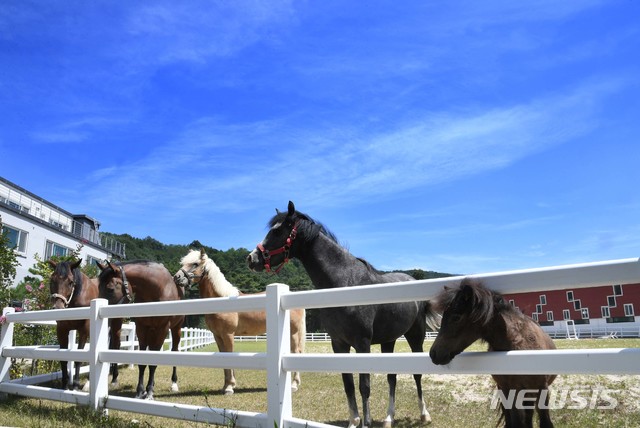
(416, 343)
(349, 386)
(391, 380)
(63, 340)
(225, 344)
(296, 348)
(543, 412)
(142, 342)
(115, 328)
(176, 336)
(84, 335)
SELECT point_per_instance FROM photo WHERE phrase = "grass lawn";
(453, 400)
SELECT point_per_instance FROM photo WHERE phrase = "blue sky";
(462, 137)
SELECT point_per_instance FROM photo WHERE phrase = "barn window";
(569, 296)
(605, 311)
(585, 313)
(576, 305)
(543, 299)
(617, 290)
(566, 314)
(628, 310)
(611, 301)
(549, 315)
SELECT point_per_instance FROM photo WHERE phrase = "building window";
(549, 315)
(92, 261)
(53, 249)
(611, 301)
(569, 296)
(617, 290)
(543, 299)
(539, 309)
(534, 316)
(512, 302)
(576, 305)
(628, 310)
(17, 238)
(566, 314)
(605, 311)
(585, 313)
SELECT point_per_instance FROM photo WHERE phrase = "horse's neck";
(329, 265)
(503, 333)
(214, 284)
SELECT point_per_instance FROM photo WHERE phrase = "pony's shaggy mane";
(219, 283)
(485, 303)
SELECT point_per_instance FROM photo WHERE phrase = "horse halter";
(193, 278)
(266, 254)
(126, 296)
(66, 301)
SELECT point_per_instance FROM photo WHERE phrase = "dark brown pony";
(72, 288)
(144, 281)
(198, 268)
(471, 312)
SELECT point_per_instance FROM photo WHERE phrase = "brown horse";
(471, 312)
(72, 288)
(198, 268)
(144, 281)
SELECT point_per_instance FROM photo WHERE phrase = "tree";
(8, 263)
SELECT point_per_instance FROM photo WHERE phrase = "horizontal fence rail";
(279, 363)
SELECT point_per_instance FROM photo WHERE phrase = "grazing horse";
(72, 288)
(149, 282)
(295, 235)
(198, 268)
(471, 312)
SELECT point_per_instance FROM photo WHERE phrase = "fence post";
(98, 371)
(278, 338)
(6, 340)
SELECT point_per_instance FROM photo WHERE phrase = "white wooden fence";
(279, 363)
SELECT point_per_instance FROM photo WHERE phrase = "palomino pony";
(72, 288)
(329, 265)
(150, 282)
(471, 312)
(198, 268)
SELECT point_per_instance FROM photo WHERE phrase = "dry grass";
(453, 400)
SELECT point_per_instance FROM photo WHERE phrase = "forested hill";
(232, 263)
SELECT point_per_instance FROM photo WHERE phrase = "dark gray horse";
(329, 265)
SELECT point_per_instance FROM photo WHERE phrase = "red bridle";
(266, 254)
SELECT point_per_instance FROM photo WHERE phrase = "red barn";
(596, 311)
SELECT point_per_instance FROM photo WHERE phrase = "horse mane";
(309, 226)
(63, 268)
(485, 303)
(217, 279)
(311, 229)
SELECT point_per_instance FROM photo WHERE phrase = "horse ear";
(112, 266)
(291, 208)
(76, 264)
(101, 266)
(202, 253)
(52, 263)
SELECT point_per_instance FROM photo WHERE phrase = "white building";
(36, 226)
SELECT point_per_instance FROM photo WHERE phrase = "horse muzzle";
(254, 261)
(181, 279)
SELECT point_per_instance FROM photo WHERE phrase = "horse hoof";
(294, 388)
(387, 424)
(174, 387)
(228, 392)
(425, 419)
(149, 397)
(114, 384)
(86, 387)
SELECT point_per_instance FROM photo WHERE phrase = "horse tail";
(432, 316)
